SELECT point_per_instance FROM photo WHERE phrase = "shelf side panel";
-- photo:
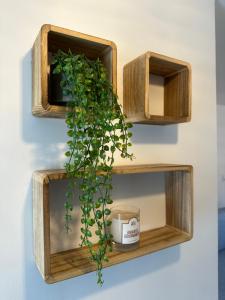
(41, 226)
(36, 75)
(135, 83)
(179, 201)
(177, 93)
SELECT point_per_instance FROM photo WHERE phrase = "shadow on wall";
(47, 137)
(154, 134)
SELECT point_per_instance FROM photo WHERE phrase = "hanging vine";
(96, 129)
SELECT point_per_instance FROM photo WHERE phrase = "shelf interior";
(75, 262)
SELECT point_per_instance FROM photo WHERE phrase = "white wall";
(179, 28)
(145, 191)
(220, 91)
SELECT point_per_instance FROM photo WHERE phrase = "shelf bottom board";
(158, 120)
(75, 262)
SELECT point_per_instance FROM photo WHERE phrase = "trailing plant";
(96, 129)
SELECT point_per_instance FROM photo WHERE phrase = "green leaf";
(108, 223)
(98, 214)
(109, 201)
(107, 211)
(70, 133)
(91, 222)
(113, 148)
(97, 204)
(58, 69)
(68, 153)
(88, 233)
(105, 258)
(98, 232)
(101, 200)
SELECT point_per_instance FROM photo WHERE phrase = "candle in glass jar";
(125, 227)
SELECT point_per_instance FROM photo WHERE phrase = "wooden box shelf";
(137, 96)
(50, 39)
(67, 264)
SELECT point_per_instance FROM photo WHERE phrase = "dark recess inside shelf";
(55, 92)
(91, 50)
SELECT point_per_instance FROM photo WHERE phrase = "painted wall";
(220, 91)
(181, 29)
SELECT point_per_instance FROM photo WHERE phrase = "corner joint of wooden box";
(47, 278)
(45, 28)
(147, 115)
(188, 118)
(113, 46)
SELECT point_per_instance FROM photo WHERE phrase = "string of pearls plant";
(96, 129)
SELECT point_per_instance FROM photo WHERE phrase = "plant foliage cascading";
(96, 129)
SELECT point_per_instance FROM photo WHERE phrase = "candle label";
(131, 231)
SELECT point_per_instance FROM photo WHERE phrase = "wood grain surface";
(74, 262)
(137, 90)
(52, 38)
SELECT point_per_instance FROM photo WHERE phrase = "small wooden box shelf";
(137, 99)
(49, 41)
(75, 262)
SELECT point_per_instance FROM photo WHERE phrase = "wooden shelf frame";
(137, 92)
(49, 40)
(75, 262)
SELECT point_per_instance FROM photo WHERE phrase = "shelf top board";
(97, 41)
(58, 174)
(166, 60)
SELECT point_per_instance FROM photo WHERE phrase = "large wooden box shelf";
(137, 96)
(49, 41)
(63, 265)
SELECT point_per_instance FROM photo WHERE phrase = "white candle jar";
(125, 227)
